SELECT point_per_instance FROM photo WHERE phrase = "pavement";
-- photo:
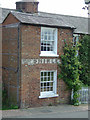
(60, 111)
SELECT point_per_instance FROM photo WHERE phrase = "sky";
(66, 7)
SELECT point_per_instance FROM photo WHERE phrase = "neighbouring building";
(32, 44)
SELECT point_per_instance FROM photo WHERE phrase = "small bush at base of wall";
(5, 102)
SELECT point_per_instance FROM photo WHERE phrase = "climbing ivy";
(84, 58)
(69, 68)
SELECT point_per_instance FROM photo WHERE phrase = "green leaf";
(60, 76)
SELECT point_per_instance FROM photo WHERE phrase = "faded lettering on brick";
(40, 61)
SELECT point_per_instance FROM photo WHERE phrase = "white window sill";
(49, 96)
(48, 55)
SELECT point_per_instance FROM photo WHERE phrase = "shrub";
(70, 69)
(84, 58)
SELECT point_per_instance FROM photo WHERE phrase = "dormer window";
(48, 41)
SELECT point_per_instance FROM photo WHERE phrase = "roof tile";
(58, 20)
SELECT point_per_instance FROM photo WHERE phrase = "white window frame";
(49, 93)
(54, 52)
(77, 39)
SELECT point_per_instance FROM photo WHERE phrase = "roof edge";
(63, 15)
(67, 26)
(8, 15)
(47, 25)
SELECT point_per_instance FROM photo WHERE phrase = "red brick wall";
(30, 75)
(29, 91)
(27, 7)
(10, 20)
(10, 58)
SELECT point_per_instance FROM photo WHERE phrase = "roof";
(58, 20)
(40, 20)
(80, 23)
(5, 12)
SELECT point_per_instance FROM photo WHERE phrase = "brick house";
(31, 46)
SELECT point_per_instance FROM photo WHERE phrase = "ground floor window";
(48, 84)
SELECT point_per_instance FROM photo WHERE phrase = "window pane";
(49, 74)
(42, 44)
(48, 49)
(47, 81)
(51, 84)
(47, 35)
(42, 37)
(41, 79)
(41, 73)
(49, 78)
(48, 89)
(45, 89)
(51, 89)
(74, 41)
(48, 84)
(53, 37)
(45, 74)
(41, 48)
(44, 48)
(52, 74)
(42, 84)
(51, 48)
(45, 85)
(41, 89)
(46, 32)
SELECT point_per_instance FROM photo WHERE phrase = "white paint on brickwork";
(39, 61)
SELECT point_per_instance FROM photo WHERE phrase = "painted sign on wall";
(40, 61)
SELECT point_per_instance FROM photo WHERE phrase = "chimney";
(27, 6)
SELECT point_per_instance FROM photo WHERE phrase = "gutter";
(48, 25)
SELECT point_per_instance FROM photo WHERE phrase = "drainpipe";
(18, 65)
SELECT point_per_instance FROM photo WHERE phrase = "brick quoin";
(29, 75)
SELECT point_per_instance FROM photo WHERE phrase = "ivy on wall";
(70, 69)
(84, 58)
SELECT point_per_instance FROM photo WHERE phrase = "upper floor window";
(75, 39)
(48, 41)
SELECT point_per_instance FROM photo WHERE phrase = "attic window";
(48, 41)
